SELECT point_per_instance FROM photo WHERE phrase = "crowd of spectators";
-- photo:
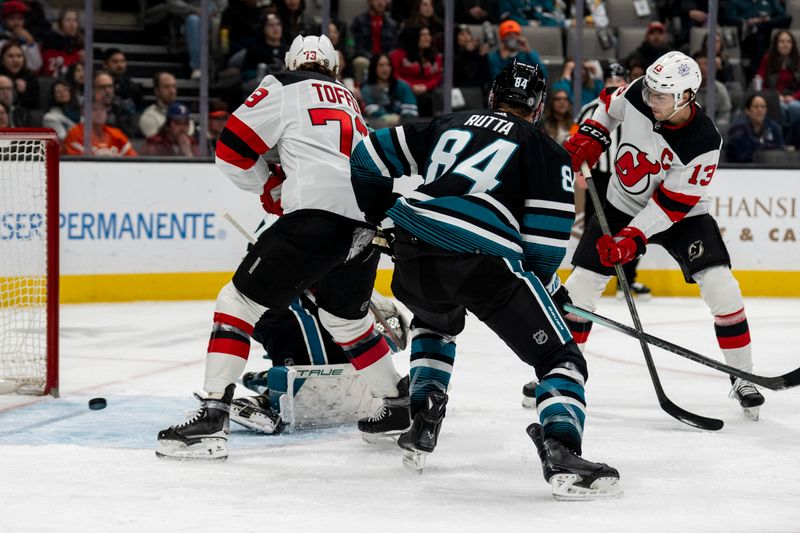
(391, 56)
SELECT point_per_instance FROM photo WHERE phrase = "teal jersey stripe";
(456, 238)
(432, 346)
(547, 303)
(547, 222)
(551, 384)
(384, 137)
(364, 167)
(474, 211)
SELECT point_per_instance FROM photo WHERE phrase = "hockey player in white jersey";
(667, 155)
(314, 122)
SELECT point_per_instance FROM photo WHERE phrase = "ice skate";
(570, 476)
(256, 382)
(529, 394)
(640, 291)
(421, 438)
(254, 412)
(748, 397)
(204, 435)
(391, 418)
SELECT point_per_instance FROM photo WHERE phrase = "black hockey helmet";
(615, 70)
(520, 85)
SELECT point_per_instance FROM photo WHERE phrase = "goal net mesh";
(23, 264)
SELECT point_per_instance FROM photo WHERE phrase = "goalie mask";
(312, 49)
(520, 85)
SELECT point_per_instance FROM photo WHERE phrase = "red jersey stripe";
(234, 158)
(229, 347)
(235, 322)
(246, 133)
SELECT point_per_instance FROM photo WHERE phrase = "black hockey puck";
(95, 404)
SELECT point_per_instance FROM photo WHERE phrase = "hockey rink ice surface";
(65, 468)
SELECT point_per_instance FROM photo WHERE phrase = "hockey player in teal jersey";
(485, 233)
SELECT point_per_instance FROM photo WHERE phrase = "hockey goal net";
(28, 261)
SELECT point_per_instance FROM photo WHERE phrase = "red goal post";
(29, 260)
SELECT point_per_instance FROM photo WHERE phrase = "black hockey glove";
(561, 298)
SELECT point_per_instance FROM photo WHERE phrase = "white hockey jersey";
(314, 122)
(661, 172)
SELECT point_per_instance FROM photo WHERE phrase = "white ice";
(64, 468)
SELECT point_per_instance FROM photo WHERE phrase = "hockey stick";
(666, 404)
(782, 382)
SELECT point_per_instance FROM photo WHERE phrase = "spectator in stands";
(14, 31)
(418, 64)
(780, 71)
(63, 46)
(189, 12)
(75, 77)
(473, 11)
(655, 45)
(217, 117)
(471, 62)
(243, 21)
(36, 20)
(293, 18)
(543, 12)
(106, 140)
(346, 78)
(557, 119)
(12, 64)
(722, 110)
(752, 132)
(121, 114)
(724, 68)
(173, 138)
(692, 14)
(125, 88)
(387, 100)
(757, 18)
(512, 46)
(592, 80)
(165, 87)
(18, 116)
(270, 50)
(64, 111)
(374, 32)
(635, 68)
(5, 117)
(424, 16)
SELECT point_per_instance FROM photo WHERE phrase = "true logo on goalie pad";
(321, 372)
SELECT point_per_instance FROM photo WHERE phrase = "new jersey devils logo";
(634, 169)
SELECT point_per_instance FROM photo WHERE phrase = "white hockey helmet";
(673, 73)
(312, 49)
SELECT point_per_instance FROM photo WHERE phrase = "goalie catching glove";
(587, 144)
(623, 247)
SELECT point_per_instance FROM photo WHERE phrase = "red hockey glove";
(271, 197)
(587, 144)
(625, 246)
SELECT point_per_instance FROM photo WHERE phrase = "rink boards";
(155, 231)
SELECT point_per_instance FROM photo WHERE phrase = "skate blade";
(752, 412)
(206, 450)
(565, 488)
(414, 461)
(262, 424)
(374, 438)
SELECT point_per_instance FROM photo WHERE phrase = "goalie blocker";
(311, 383)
